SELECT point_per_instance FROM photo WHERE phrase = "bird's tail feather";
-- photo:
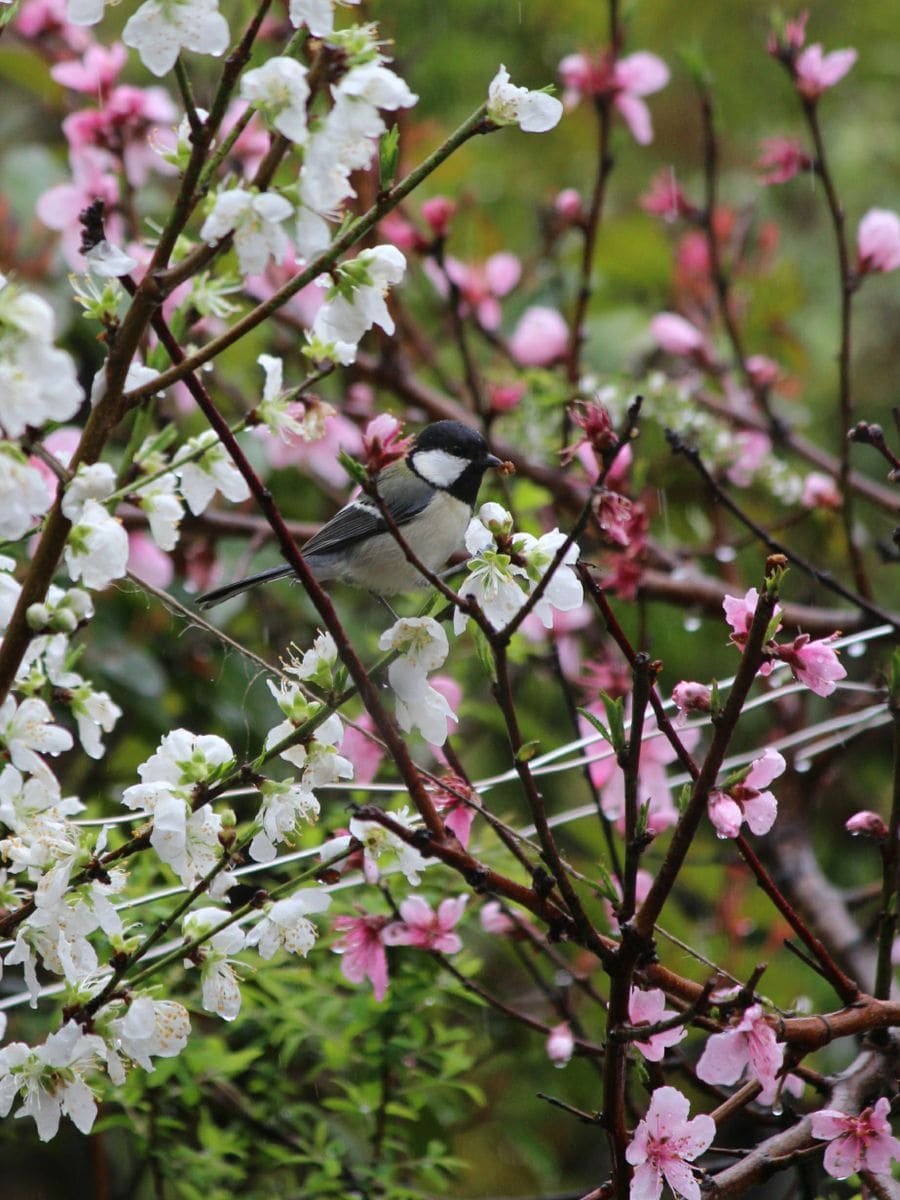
(220, 594)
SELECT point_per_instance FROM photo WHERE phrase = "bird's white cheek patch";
(439, 468)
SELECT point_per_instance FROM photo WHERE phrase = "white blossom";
(284, 806)
(187, 842)
(50, 1079)
(421, 640)
(317, 15)
(285, 924)
(160, 28)
(148, 1029)
(136, 376)
(317, 664)
(85, 12)
(284, 417)
(10, 590)
(279, 89)
(214, 470)
(162, 504)
(38, 382)
(564, 591)
(379, 842)
(359, 302)
(219, 984)
(109, 261)
(181, 760)
(377, 85)
(533, 112)
(423, 647)
(97, 549)
(94, 482)
(23, 493)
(26, 729)
(255, 220)
(94, 713)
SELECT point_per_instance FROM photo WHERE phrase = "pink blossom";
(650, 1008)
(568, 206)
(540, 338)
(395, 228)
(505, 396)
(763, 371)
(593, 419)
(50, 19)
(481, 285)
(495, 920)
(365, 753)
(664, 1145)
(626, 81)
(862, 1143)
(457, 807)
(815, 72)
(62, 444)
(815, 664)
(665, 198)
(781, 158)
(148, 562)
(869, 823)
(614, 517)
(320, 458)
(820, 491)
(677, 336)
(690, 697)
(642, 885)
(750, 1046)
(423, 927)
(748, 801)
(560, 1044)
(653, 786)
(95, 73)
(878, 241)
(739, 613)
(60, 206)
(751, 449)
(362, 948)
(126, 127)
(438, 212)
(382, 443)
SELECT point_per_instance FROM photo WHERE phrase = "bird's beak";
(491, 460)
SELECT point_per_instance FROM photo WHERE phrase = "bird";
(430, 493)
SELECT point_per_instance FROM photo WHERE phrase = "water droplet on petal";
(777, 1109)
(802, 765)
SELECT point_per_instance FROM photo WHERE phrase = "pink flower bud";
(505, 396)
(815, 72)
(678, 336)
(438, 212)
(820, 491)
(878, 241)
(691, 697)
(868, 823)
(540, 338)
(763, 371)
(781, 158)
(568, 205)
(560, 1044)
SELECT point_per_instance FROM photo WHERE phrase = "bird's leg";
(386, 605)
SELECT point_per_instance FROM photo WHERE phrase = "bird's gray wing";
(361, 518)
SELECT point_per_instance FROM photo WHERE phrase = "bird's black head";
(453, 457)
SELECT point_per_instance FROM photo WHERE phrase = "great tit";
(430, 494)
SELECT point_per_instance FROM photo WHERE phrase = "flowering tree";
(404, 857)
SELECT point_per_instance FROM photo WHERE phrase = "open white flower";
(533, 112)
(162, 504)
(38, 382)
(23, 493)
(359, 301)
(285, 925)
(221, 993)
(379, 842)
(50, 1079)
(148, 1029)
(317, 15)
(255, 220)
(26, 729)
(97, 549)
(421, 640)
(160, 28)
(377, 85)
(214, 470)
(280, 90)
(94, 482)
(285, 805)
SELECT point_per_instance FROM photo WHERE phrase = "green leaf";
(526, 752)
(389, 157)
